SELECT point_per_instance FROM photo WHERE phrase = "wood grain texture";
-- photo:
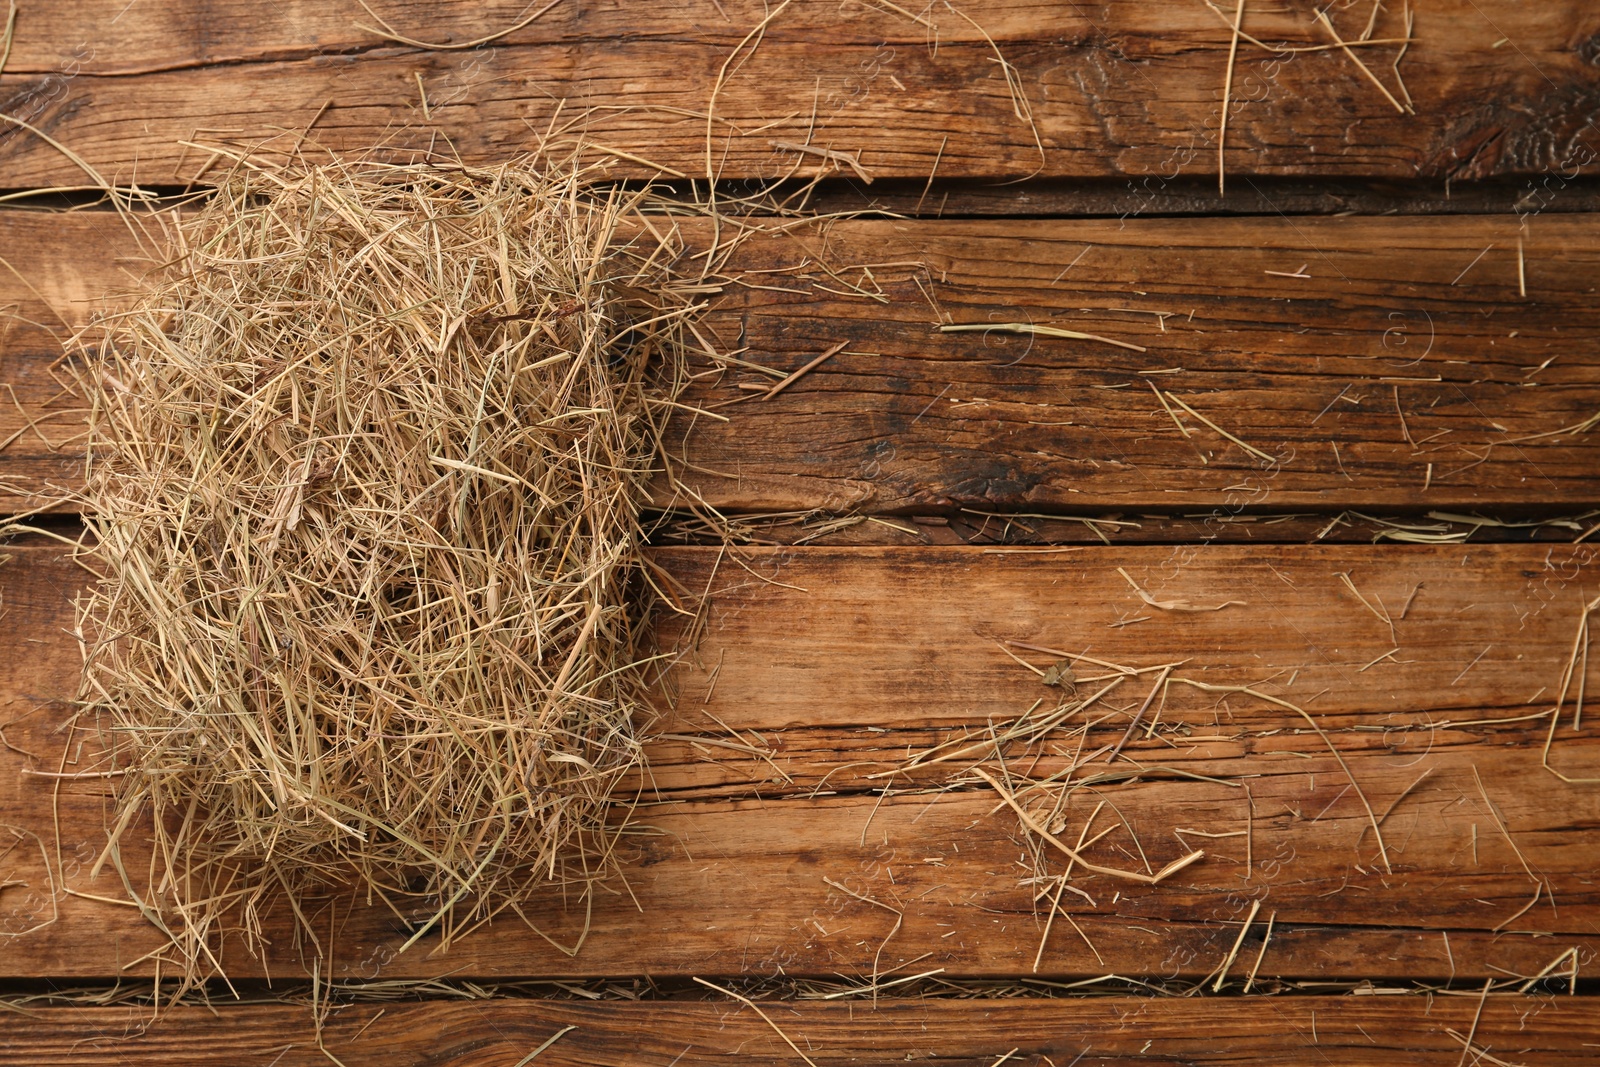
(887, 652)
(1383, 378)
(1119, 88)
(1329, 364)
(1098, 1032)
(1405, 371)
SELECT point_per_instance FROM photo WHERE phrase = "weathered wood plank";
(1270, 1032)
(1378, 381)
(1407, 371)
(889, 651)
(838, 640)
(1115, 88)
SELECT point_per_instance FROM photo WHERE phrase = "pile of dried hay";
(366, 469)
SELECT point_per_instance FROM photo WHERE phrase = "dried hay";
(366, 468)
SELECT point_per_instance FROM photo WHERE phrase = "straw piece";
(10, 34)
(1033, 824)
(552, 1039)
(1372, 818)
(1233, 953)
(1266, 939)
(747, 1002)
(390, 33)
(853, 161)
(1344, 46)
(1180, 606)
(1030, 328)
(1227, 95)
(1178, 400)
(803, 371)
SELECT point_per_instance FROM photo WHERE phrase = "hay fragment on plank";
(367, 464)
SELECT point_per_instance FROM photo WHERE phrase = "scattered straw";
(51, 890)
(1084, 841)
(1182, 429)
(730, 64)
(898, 10)
(422, 99)
(365, 477)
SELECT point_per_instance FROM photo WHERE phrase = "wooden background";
(1365, 409)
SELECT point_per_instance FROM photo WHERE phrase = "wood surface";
(1379, 1031)
(1407, 370)
(761, 804)
(786, 841)
(1129, 88)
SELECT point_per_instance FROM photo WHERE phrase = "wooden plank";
(1308, 371)
(882, 631)
(1534, 1030)
(1123, 88)
(888, 651)
(1407, 371)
